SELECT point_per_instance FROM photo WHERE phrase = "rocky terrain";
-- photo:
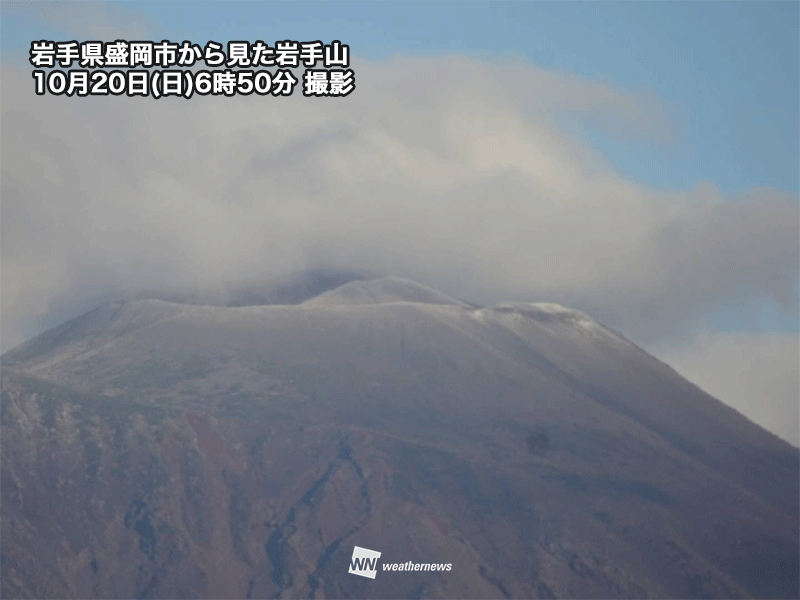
(161, 450)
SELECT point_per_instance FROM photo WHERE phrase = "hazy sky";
(638, 161)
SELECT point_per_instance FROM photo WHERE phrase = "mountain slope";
(152, 449)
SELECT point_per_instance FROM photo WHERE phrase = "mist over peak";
(383, 290)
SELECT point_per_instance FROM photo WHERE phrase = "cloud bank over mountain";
(467, 176)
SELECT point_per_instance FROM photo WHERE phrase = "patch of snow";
(547, 311)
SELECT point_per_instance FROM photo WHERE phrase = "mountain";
(153, 449)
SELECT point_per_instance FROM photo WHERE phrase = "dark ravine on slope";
(160, 450)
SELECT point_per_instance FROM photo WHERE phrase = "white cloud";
(448, 171)
(758, 374)
(444, 170)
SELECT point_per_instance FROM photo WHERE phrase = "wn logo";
(364, 562)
